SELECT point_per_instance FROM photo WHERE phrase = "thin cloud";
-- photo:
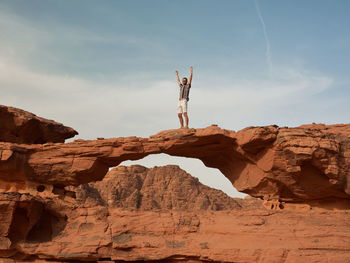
(268, 54)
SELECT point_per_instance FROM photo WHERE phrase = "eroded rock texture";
(52, 210)
(43, 229)
(160, 188)
(19, 126)
(289, 164)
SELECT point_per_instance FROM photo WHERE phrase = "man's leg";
(181, 119)
(186, 119)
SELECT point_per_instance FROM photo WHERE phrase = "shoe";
(182, 127)
(186, 127)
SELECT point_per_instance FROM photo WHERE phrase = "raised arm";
(190, 77)
(177, 77)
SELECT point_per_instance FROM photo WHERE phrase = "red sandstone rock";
(335, 129)
(159, 188)
(52, 229)
(302, 173)
(19, 126)
(289, 164)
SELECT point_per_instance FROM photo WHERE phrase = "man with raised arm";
(185, 86)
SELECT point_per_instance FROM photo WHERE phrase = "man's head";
(184, 81)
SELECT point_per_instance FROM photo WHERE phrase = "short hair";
(185, 78)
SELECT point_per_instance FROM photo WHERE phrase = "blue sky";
(107, 67)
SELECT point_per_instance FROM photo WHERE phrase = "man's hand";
(190, 77)
(177, 77)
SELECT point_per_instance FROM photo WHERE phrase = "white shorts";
(182, 106)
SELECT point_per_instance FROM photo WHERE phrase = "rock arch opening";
(211, 177)
(162, 182)
(163, 186)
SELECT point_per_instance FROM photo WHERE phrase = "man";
(185, 86)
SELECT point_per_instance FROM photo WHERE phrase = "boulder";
(19, 126)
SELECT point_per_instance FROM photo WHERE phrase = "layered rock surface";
(19, 126)
(160, 188)
(105, 225)
(289, 164)
(136, 214)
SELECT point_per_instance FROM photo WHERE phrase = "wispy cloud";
(266, 37)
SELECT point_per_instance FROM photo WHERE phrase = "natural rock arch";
(264, 162)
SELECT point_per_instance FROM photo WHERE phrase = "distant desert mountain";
(166, 187)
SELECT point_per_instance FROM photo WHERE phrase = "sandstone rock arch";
(267, 162)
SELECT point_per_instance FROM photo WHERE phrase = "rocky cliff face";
(52, 210)
(159, 188)
(42, 229)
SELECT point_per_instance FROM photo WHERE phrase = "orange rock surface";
(19, 126)
(160, 188)
(289, 164)
(105, 223)
(53, 210)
